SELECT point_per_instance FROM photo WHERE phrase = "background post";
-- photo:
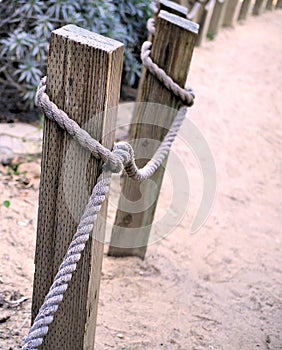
(269, 5)
(217, 17)
(205, 21)
(196, 12)
(278, 4)
(231, 13)
(83, 79)
(259, 7)
(173, 7)
(172, 50)
(245, 10)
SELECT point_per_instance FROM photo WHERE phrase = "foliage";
(6, 203)
(25, 27)
(210, 36)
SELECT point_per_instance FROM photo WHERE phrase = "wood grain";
(172, 50)
(83, 79)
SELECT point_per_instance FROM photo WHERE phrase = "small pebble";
(6, 155)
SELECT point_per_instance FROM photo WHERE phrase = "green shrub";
(25, 28)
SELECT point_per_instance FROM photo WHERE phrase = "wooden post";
(278, 4)
(231, 13)
(173, 7)
(217, 17)
(205, 21)
(83, 79)
(196, 12)
(245, 10)
(259, 7)
(172, 50)
(186, 3)
(269, 5)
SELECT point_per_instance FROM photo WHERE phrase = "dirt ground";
(219, 288)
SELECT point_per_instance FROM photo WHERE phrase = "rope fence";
(122, 157)
(210, 15)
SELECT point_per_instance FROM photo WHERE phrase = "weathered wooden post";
(173, 7)
(205, 21)
(83, 79)
(245, 10)
(231, 13)
(269, 5)
(196, 12)
(259, 7)
(279, 4)
(217, 17)
(172, 51)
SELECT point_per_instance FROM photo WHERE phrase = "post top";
(88, 38)
(173, 5)
(179, 21)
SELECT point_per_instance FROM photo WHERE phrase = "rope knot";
(122, 156)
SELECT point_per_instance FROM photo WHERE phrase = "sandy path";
(221, 287)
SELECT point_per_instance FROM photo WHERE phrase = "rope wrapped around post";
(122, 157)
(61, 281)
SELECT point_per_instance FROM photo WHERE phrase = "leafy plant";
(12, 170)
(6, 203)
(25, 27)
(210, 36)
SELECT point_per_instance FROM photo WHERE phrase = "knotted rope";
(122, 157)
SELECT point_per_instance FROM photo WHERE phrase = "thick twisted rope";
(151, 26)
(61, 281)
(122, 157)
(186, 96)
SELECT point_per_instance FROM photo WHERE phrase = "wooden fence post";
(217, 17)
(269, 5)
(205, 21)
(278, 4)
(173, 7)
(196, 12)
(83, 79)
(172, 50)
(245, 10)
(231, 13)
(259, 7)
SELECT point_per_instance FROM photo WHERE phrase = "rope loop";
(186, 96)
(122, 157)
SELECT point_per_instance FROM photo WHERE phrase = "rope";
(151, 26)
(61, 281)
(186, 96)
(122, 157)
